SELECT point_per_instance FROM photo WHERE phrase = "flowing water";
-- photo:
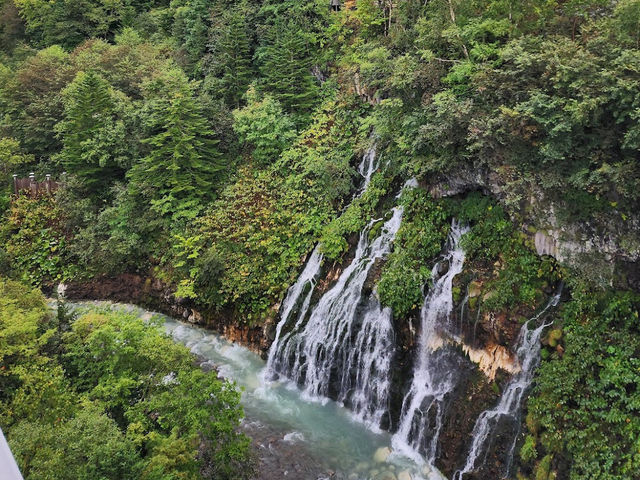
(435, 372)
(508, 409)
(296, 439)
(281, 347)
(304, 285)
(346, 345)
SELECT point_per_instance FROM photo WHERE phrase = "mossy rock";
(455, 293)
(543, 468)
(375, 231)
(475, 289)
(533, 424)
(473, 303)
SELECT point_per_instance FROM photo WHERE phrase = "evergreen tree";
(180, 170)
(232, 55)
(286, 66)
(93, 139)
(191, 23)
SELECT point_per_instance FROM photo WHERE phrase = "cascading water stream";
(368, 166)
(509, 406)
(346, 346)
(343, 351)
(305, 283)
(435, 374)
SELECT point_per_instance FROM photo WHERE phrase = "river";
(293, 437)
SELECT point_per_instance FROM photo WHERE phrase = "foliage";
(34, 239)
(419, 240)
(229, 67)
(183, 162)
(286, 66)
(586, 401)
(519, 275)
(112, 398)
(264, 126)
(94, 145)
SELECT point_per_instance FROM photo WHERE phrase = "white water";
(510, 403)
(434, 375)
(305, 282)
(368, 166)
(279, 355)
(326, 431)
(329, 353)
(346, 346)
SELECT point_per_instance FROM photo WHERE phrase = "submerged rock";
(404, 475)
(381, 454)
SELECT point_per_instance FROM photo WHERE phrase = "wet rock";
(475, 288)
(442, 268)
(381, 454)
(387, 475)
(404, 475)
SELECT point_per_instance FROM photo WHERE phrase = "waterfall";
(342, 349)
(368, 166)
(345, 345)
(510, 403)
(435, 373)
(305, 282)
(370, 357)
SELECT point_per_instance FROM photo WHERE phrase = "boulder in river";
(381, 454)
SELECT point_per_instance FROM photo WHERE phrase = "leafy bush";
(96, 401)
(586, 401)
(34, 240)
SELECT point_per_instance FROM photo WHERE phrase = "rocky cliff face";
(605, 246)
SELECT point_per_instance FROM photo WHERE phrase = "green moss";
(554, 337)
(455, 293)
(375, 230)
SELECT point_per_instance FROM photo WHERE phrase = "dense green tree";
(191, 21)
(87, 447)
(285, 63)
(94, 146)
(86, 403)
(230, 61)
(183, 164)
(32, 103)
(264, 126)
(69, 22)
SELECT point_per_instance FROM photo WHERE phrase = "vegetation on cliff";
(212, 144)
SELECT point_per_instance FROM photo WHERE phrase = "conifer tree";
(235, 57)
(286, 66)
(183, 164)
(92, 138)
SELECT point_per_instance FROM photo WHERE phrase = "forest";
(207, 146)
